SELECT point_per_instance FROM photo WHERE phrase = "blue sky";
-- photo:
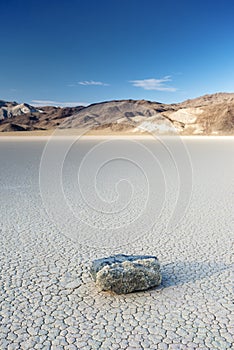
(85, 51)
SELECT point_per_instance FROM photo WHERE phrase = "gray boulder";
(124, 274)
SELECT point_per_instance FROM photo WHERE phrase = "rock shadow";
(181, 272)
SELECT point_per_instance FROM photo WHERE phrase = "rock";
(124, 274)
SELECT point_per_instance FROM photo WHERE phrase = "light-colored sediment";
(48, 299)
(45, 136)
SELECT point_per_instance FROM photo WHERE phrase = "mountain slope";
(13, 109)
(15, 118)
(206, 115)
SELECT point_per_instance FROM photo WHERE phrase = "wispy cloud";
(154, 84)
(92, 82)
(41, 103)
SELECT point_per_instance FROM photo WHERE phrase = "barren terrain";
(50, 234)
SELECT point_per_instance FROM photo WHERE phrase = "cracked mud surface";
(47, 297)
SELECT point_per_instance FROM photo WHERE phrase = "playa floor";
(53, 223)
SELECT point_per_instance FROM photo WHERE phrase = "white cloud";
(154, 84)
(42, 103)
(92, 82)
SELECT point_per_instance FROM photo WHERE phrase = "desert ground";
(66, 203)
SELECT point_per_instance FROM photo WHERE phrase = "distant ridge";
(206, 115)
(220, 97)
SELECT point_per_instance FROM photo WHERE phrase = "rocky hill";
(206, 115)
(13, 109)
(23, 117)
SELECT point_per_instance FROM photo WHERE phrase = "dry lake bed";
(64, 204)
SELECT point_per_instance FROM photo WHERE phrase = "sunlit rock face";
(124, 274)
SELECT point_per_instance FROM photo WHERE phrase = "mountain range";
(205, 115)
